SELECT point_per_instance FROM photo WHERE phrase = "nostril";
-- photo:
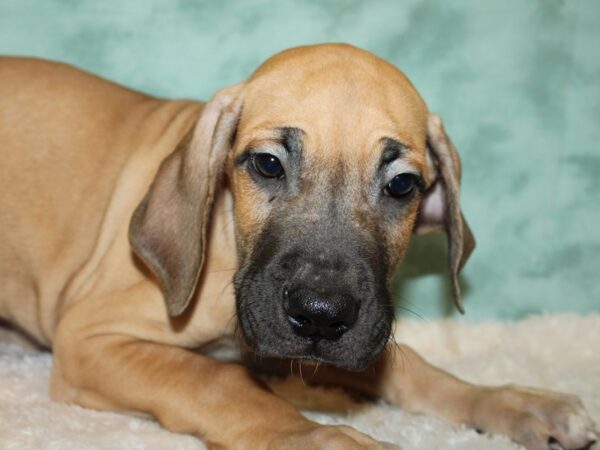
(339, 325)
(300, 320)
(302, 325)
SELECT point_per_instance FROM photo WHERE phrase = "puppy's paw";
(329, 438)
(535, 418)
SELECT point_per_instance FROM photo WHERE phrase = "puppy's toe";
(540, 419)
(570, 426)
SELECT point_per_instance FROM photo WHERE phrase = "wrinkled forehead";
(342, 99)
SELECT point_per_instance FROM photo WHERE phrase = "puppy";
(123, 218)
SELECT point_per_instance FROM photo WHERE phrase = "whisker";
(407, 309)
(316, 368)
(397, 350)
(300, 371)
(225, 287)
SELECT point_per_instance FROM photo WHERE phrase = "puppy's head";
(334, 162)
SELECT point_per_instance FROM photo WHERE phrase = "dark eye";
(401, 185)
(267, 165)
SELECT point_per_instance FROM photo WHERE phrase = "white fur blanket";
(560, 352)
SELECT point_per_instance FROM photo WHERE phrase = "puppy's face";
(327, 172)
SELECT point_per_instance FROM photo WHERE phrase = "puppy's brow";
(259, 146)
(392, 149)
(291, 138)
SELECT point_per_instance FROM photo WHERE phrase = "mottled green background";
(517, 81)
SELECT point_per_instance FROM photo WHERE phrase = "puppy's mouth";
(325, 352)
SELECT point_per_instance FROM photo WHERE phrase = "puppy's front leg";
(537, 419)
(188, 393)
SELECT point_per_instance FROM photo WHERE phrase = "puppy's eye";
(267, 165)
(401, 185)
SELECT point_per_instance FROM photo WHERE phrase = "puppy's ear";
(168, 228)
(440, 207)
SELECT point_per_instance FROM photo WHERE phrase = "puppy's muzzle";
(318, 314)
(319, 294)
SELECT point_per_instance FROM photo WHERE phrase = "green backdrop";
(517, 81)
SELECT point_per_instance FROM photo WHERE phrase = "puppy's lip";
(317, 362)
(313, 358)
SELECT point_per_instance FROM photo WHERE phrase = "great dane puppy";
(123, 217)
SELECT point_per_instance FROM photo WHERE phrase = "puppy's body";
(69, 192)
(89, 167)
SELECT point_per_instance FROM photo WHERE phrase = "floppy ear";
(440, 207)
(168, 228)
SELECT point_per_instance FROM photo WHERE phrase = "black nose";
(320, 315)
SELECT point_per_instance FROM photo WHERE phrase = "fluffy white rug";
(560, 352)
